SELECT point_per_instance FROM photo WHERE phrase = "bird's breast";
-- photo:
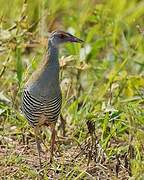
(45, 84)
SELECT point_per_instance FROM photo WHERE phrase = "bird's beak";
(74, 39)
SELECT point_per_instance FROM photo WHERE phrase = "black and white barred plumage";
(34, 109)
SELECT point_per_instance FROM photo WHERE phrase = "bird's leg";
(52, 140)
(37, 138)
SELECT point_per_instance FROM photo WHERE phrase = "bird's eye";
(61, 36)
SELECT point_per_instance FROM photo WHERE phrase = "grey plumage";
(42, 99)
(42, 93)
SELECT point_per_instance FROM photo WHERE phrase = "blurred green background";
(102, 81)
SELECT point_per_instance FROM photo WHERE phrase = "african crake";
(41, 99)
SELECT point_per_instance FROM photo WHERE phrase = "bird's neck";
(52, 55)
(46, 78)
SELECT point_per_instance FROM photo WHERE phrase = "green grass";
(102, 83)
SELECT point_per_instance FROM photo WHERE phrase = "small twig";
(4, 67)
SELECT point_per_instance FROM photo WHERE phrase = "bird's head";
(59, 37)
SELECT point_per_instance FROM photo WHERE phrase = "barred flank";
(33, 108)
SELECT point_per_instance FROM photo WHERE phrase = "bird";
(42, 96)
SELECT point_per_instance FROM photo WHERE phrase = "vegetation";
(102, 83)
